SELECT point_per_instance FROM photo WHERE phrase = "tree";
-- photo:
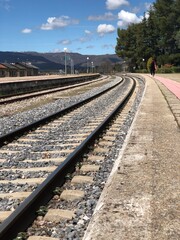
(156, 36)
(121, 46)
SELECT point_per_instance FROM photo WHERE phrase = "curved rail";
(31, 85)
(43, 92)
(23, 216)
(20, 131)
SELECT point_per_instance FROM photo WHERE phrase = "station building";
(19, 69)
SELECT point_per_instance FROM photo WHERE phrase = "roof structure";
(2, 66)
(28, 65)
(8, 65)
(19, 66)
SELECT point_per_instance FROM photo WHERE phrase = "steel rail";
(43, 92)
(61, 82)
(9, 137)
(24, 215)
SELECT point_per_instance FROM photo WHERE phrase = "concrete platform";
(11, 86)
(141, 197)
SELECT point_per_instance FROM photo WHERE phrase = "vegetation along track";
(80, 140)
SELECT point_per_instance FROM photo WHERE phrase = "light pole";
(72, 66)
(92, 65)
(124, 66)
(143, 63)
(87, 64)
(65, 61)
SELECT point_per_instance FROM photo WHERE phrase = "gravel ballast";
(75, 228)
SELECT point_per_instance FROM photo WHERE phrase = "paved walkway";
(170, 88)
(141, 198)
(173, 86)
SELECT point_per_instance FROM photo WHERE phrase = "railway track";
(57, 163)
(7, 100)
(19, 131)
(15, 107)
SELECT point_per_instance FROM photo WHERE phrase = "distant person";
(153, 67)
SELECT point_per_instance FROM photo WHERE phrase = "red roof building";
(18, 69)
(3, 71)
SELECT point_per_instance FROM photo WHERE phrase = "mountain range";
(56, 61)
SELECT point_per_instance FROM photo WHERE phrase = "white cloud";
(26, 30)
(83, 39)
(5, 4)
(103, 29)
(90, 47)
(126, 18)
(87, 32)
(114, 4)
(108, 46)
(146, 15)
(65, 42)
(148, 5)
(136, 10)
(86, 38)
(54, 23)
(107, 16)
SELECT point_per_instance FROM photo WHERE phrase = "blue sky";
(83, 26)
